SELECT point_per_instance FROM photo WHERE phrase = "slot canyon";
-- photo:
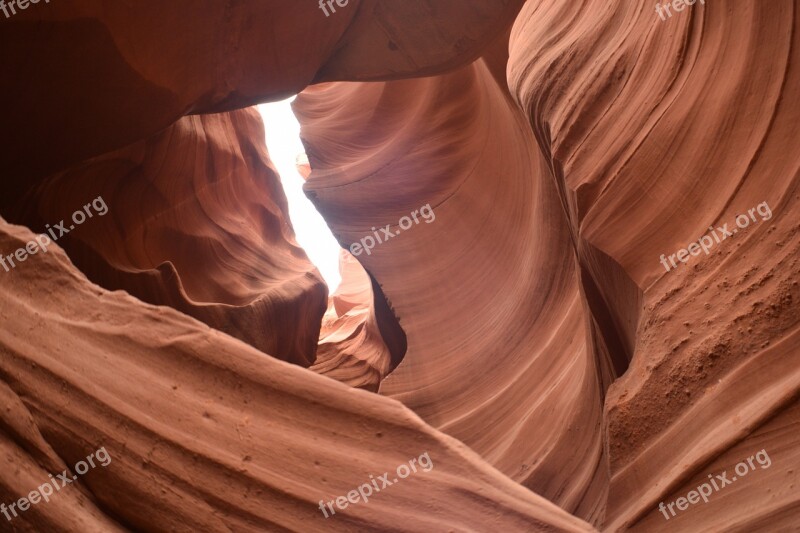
(570, 254)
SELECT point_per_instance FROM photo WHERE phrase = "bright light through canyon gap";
(283, 142)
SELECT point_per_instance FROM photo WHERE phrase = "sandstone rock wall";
(533, 337)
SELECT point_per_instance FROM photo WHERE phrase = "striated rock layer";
(657, 133)
(206, 433)
(197, 220)
(351, 348)
(600, 207)
(111, 73)
(522, 322)
(499, 344)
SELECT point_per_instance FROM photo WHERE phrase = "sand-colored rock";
(110, 73)
(656, 130)
(351, 348)
(196, 220)
(528, 338)
(487, 293)
(206, 433)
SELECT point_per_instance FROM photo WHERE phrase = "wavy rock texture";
(488, 293)
(558, 376)
(351, 348)
(151, 62)
(655, 131)
(197, 220)
(206, 433)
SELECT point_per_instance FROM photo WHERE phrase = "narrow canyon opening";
(352, 344)
(287, 153)
(478, 253)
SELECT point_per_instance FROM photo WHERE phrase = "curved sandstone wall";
(536, 193)
(657, 130)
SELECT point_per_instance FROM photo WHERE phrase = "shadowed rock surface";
(206, 433)
(656, 131)
(109, 73)
(197, 220)
(351, 348)
(487, 292)
(529, 338)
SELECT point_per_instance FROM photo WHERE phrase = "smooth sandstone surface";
(656, 131)
(204, 432)
(488, 292)
(197, 220)
(529, 338)
(110, 73)
(351, 348)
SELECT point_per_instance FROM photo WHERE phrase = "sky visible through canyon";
(543, 276)
(283, 142)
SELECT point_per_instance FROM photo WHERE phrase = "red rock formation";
(111, 73)
(552, 367)
(351, 348)
(656, 130)
(488, 292)
(206, 433)
(197, 220)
